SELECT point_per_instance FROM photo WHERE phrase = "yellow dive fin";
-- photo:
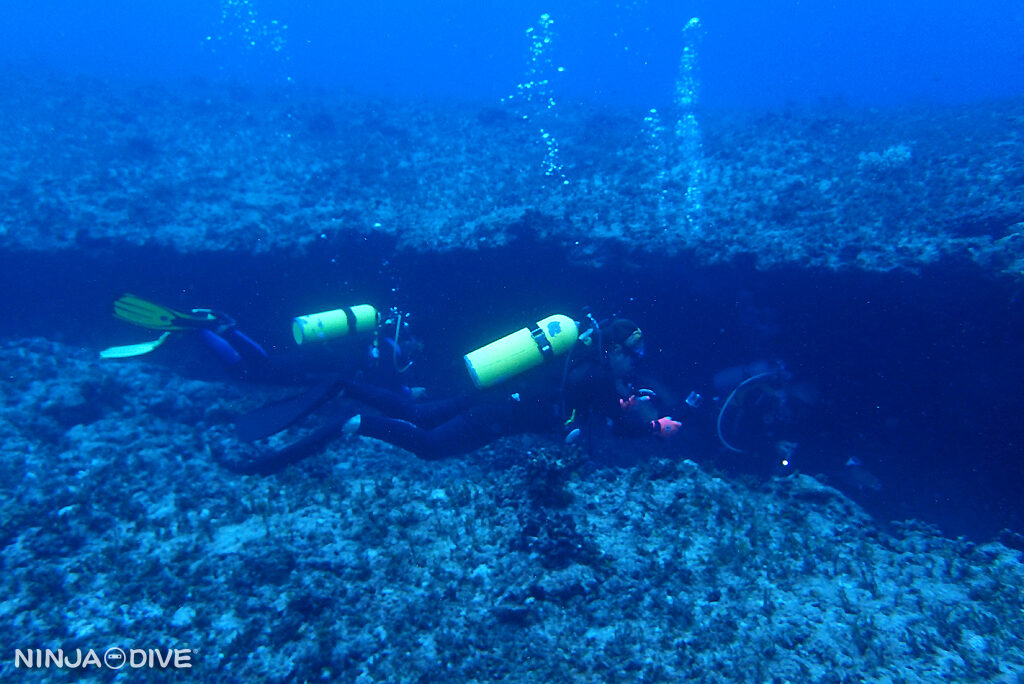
(129, 350)
(146, 314)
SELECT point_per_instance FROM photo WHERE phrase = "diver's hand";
(634, 399)
(665, 427)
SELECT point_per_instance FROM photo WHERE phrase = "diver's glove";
(638, 398)
(665, 427)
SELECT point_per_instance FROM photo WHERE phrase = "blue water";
(753, 54)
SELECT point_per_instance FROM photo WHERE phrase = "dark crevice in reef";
(918, 374)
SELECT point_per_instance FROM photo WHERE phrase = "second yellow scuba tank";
(329, 325)
(522, 350)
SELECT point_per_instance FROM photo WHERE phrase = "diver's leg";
(461, 434)
(271, 461)
(239, 354)
(276, 416)
(427, 414)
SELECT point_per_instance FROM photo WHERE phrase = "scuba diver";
(387, 358)
(760, 411)
(239, 354)
(593, 388)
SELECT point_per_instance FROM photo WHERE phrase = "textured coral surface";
(204, 168)
(523, 562)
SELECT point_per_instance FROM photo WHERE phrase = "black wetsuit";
(448, 427)
(437, 429)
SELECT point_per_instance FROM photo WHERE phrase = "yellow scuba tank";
(329, 325)
(520, 351)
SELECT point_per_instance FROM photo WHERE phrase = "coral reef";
(522, 562)
(207, 168)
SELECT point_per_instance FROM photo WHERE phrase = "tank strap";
(542, 342)
(350, 319)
